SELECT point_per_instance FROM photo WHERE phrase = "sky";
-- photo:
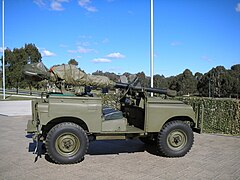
(114, 35)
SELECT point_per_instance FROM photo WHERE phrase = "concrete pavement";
(212, 157)
(15, 108)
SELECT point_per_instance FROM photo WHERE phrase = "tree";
(15, 60)
(111, 76)
(184, 83)
(73, 62)
(235, 79)
(198, 76)
(160, 81)
(34, 56)
(16, 64)
(215, 83)
(144, 81)
(8, 57)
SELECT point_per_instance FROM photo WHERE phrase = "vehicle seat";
(111, 113)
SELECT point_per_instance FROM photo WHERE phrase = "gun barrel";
(168, 92)
(155, 90)
(121, 85)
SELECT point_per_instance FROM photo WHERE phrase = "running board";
(110, 137)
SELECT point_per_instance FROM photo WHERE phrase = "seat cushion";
(111, 113)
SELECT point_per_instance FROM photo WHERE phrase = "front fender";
(159, 111)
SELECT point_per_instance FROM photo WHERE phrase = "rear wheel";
(66, 143)
(175, 139)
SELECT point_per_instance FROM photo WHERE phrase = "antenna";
(3, 62)
(151, 47)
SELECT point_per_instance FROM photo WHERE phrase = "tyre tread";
(60, 126)
(164, 131)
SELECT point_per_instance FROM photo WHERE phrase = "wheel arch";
(182, 118)
(46, 128)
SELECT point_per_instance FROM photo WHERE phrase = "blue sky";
(114, 35)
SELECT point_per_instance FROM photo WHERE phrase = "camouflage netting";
(67, 74)
(36, 72)
(111, 100)
(70, 74)
(220, 115)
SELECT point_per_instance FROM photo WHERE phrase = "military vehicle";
(66, 123)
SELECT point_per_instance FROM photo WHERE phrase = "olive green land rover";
(66, 124)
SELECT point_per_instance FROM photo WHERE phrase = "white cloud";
(175, 43)
(40, 3)
(101, 60)
(86, 4)
(91, 9)
(63, 45)
(105, 41)
(72, 51)
(115, 55)
(85, 37)
(206, 58)
(46, 53)
(83, 43)
(238, 7)
(55, 5)
(82, 50)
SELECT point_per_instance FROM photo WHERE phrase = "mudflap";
(38, 147)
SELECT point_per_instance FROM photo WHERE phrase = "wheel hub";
(176, 140)
(67, 144)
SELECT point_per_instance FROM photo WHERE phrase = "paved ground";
(15, 108)
(212, 157)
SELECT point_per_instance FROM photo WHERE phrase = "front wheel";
(66, 143)
(175, 139)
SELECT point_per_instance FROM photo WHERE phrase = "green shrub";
(111, 100)
(220, 115)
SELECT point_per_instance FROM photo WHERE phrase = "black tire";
(175, 139)
(66, 143)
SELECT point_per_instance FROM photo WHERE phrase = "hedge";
(220, 115)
